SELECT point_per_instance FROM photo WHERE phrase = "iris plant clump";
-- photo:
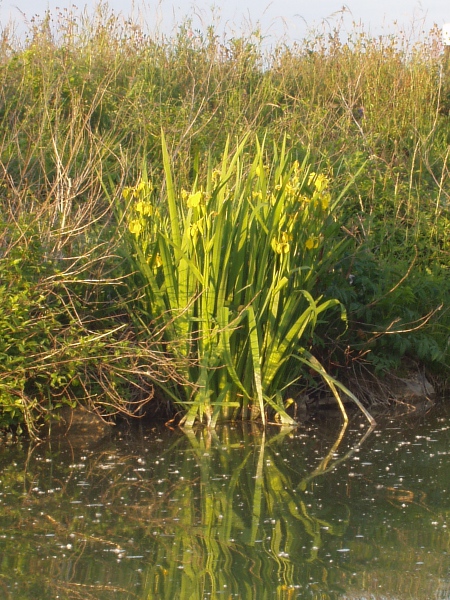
(230, 270)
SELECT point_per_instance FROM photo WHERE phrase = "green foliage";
(61, 339)
(83, 101)
(395, 312)
(28, 326)
(230, 269)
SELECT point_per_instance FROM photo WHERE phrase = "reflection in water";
(321, 512)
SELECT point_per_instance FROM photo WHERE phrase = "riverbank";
(356, 131)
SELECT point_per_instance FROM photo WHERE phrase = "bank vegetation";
(198, 225)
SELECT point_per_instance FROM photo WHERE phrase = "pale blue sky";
(289, 17)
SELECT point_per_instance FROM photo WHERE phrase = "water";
(320, 512)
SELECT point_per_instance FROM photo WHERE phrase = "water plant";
(229, 272)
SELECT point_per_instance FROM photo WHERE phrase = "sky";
(288, 18)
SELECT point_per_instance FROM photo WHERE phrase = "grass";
(83, 102)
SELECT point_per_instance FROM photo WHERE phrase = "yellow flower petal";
(325, 201)
(194, 200)
(144, 208)
(282, 246)
(135, 227)
(321, 182)
(311, 177)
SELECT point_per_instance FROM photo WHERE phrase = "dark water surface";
(319, 512)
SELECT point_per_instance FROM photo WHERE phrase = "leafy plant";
(230, 271)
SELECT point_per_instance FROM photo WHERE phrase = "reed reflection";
(319, 512)
(253, 524)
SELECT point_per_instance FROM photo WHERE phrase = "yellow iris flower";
(145, 208)
(135, 227)
(193, 200)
